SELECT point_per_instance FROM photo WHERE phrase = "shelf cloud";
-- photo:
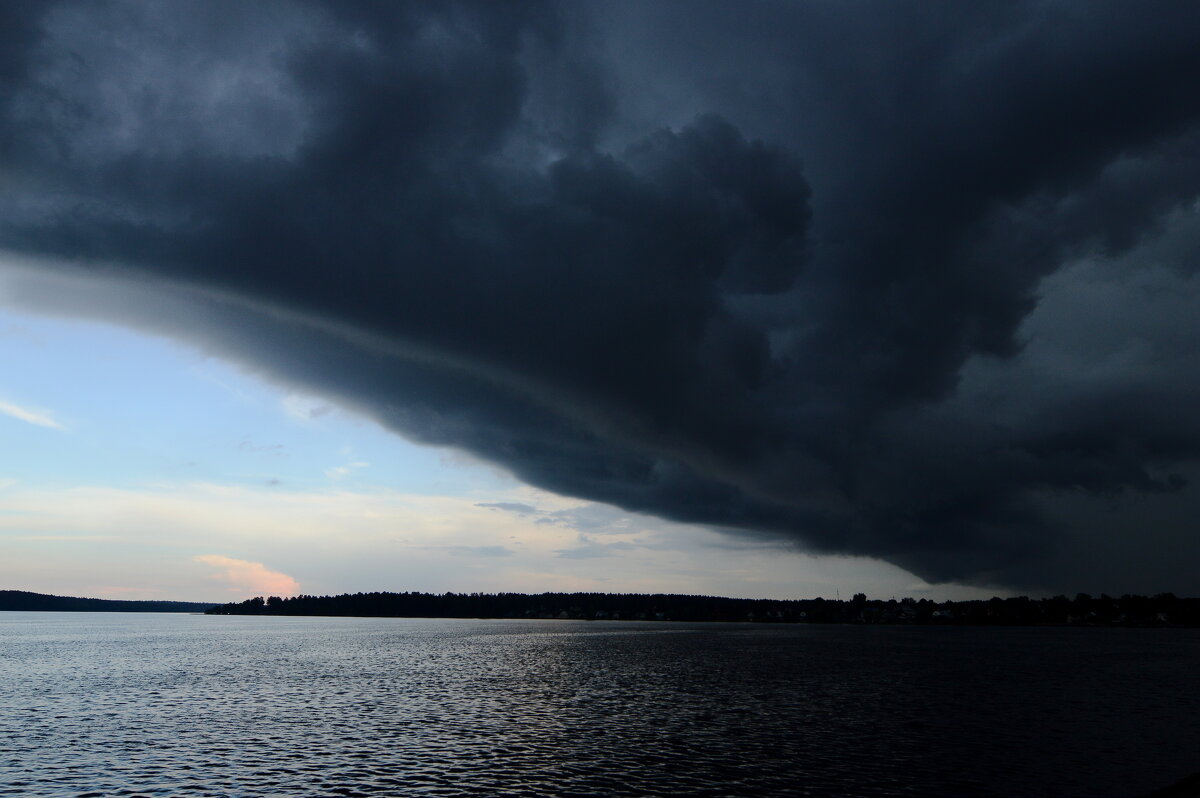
(907, 280)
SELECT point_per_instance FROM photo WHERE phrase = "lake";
(108, 704)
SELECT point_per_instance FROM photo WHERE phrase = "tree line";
(23, 600)
(1164, 609)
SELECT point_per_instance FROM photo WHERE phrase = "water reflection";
(195, 705)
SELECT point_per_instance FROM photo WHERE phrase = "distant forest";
(23, 600)
(1164, 609)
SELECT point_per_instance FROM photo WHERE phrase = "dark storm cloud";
(770, 268)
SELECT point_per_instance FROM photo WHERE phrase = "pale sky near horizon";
(138, 467)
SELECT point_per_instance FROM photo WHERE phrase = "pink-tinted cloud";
(250, 577)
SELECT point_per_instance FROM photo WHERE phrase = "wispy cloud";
(589, 549)
(250, 446)
(41, 418)
(338, 472)
(593, 518)
(305, 409)
(475, 551)
(250, 577)
(520, 508)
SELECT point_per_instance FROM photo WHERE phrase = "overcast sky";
(745, 298)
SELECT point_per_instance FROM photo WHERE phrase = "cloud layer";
(782, 277)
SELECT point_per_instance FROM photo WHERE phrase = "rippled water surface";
(123, 704)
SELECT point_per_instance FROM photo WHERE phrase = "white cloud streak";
(40, 418)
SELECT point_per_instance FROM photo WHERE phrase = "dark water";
(115, 704)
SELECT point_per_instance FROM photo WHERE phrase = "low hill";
(24, 600)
